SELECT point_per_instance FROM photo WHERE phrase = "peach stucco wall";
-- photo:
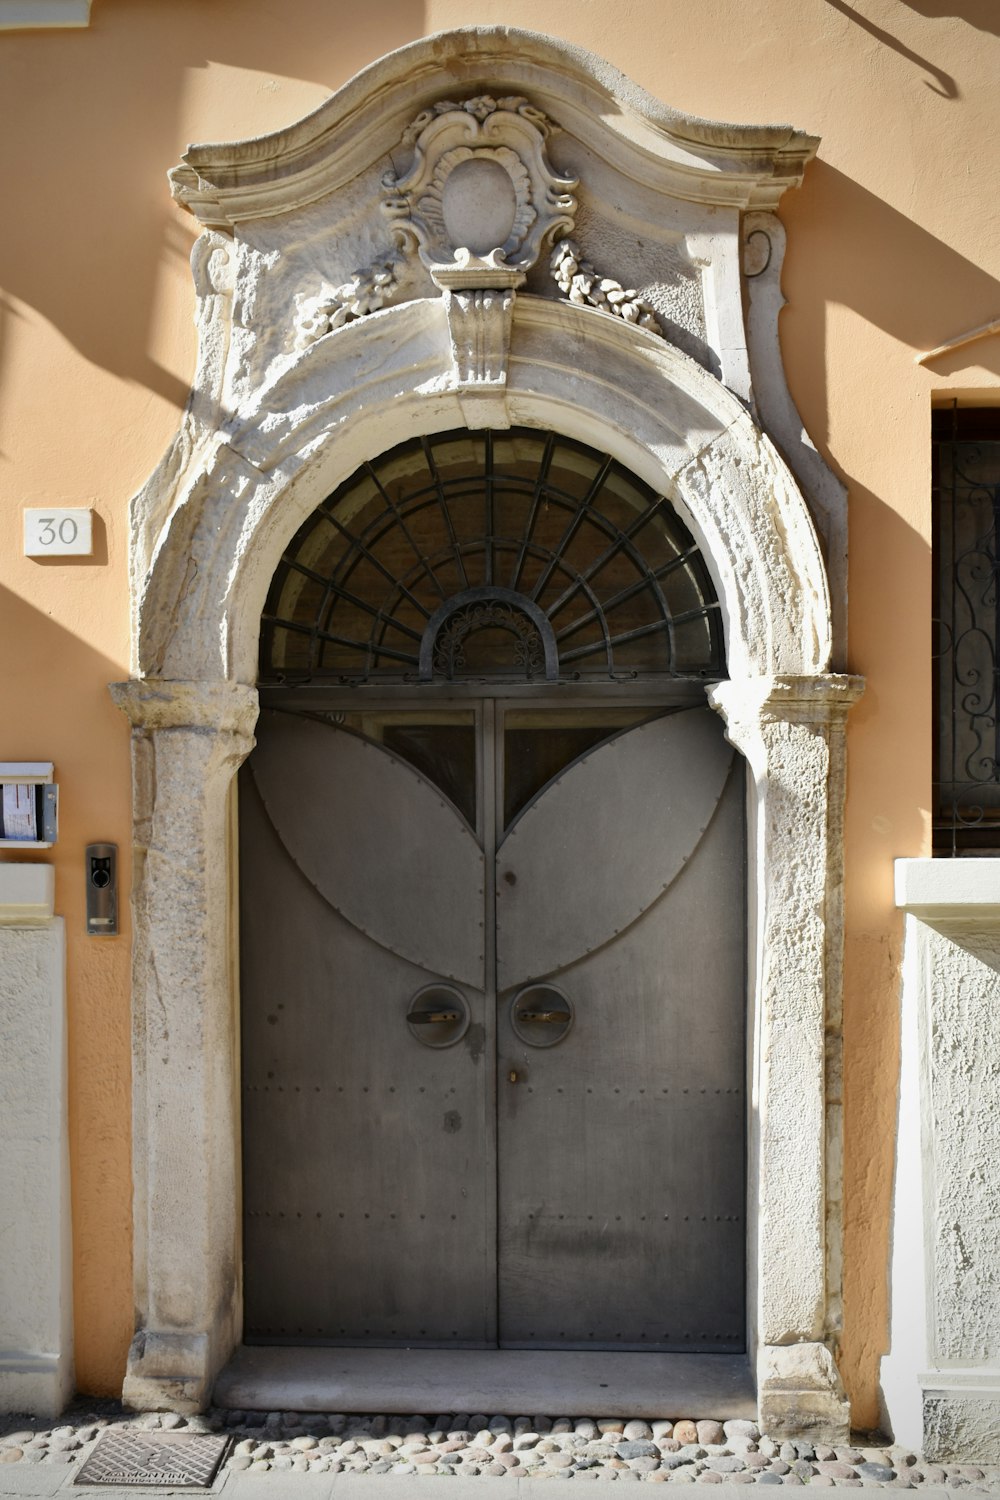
(893, 248)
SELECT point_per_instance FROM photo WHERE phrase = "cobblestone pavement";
(581, 1448)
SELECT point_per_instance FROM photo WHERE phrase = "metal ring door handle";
(438, 1015)
(541, 1015)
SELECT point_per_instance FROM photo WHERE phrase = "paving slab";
(282, 1485)
(33, 1480)
(390, 1487)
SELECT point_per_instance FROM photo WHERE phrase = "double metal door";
(493, 1036)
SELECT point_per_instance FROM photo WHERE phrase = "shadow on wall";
(943, 83)
(99, 122)
(849, 247)
(982, 14)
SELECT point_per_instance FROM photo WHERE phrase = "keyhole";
(510, 877)
(512, 1076)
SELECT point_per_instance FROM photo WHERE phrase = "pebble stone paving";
(498, 1447)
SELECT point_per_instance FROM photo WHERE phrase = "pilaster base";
(169, 1372)
(800, 1395)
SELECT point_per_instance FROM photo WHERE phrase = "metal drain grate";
(163, 1459)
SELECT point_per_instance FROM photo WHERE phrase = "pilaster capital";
(821, 699)
(155, 703)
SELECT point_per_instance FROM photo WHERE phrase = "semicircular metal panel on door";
(551, 907)
(419, 894)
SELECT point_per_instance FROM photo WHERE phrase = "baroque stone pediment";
(526, 153)
(477, 165)
(700, 161)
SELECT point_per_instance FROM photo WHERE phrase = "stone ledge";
(27, 894)
(949, 890)
(407, 1380)
(23, 15)
(41, 1383)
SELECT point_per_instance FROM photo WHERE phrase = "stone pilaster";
(791, 730)
(188, 739)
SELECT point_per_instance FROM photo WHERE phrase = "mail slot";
(29, 805)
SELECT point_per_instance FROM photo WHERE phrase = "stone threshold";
(427, 1381)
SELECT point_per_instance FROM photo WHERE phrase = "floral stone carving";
(580, 282)
(332, 306)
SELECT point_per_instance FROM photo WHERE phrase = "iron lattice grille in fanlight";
(491, 555)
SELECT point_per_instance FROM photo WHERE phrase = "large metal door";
(493, 1029)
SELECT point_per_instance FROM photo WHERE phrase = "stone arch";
(274, 425)
(639, 398)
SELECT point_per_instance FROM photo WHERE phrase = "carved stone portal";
(272, 430)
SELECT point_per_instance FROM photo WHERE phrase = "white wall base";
(902, 1398)
(963, 1420)
(941, 1377)
(36, 1330)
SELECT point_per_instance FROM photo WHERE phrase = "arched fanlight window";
(514, 555)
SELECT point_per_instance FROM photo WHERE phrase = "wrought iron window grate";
(478, 555)
(966, 488)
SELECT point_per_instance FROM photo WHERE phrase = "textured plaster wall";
(893, 248)
(963, 1074)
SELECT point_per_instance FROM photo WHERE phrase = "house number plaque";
(55, 531)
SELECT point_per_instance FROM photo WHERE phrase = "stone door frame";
(193, 725)
(244, 473)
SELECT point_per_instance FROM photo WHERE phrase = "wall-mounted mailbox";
(102, 890)
(29, 805)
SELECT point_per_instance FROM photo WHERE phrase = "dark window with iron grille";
(966, 480)
(473, 556)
